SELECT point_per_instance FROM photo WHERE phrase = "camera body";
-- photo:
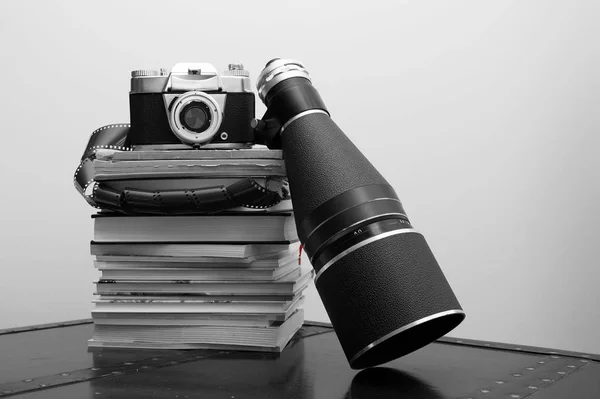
(192, 106)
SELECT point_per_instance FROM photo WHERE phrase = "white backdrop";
(483, 116)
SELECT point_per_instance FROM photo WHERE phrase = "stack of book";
(230, 280)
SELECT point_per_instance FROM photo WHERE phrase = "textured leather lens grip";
(322, 163)
(383, 287)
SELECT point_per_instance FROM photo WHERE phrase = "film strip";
(246, 193)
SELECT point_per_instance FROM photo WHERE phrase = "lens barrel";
(382, 288)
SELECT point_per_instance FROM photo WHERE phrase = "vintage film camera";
(191, 106)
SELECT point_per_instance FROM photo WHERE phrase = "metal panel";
(54, 362)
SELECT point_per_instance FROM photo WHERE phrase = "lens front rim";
(189, 136)
(367, 357)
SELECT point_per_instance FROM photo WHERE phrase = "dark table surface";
(52, 361)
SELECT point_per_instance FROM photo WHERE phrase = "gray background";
(483, 116)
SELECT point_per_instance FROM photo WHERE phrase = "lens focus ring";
(277, 71)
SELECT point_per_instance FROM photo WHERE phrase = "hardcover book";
(272, 227)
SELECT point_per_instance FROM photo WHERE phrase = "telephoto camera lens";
(382, 288)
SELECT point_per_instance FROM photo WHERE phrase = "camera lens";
(195, 117)
(383, 289)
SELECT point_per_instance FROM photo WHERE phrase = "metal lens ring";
(182, 104)
(277, 71)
